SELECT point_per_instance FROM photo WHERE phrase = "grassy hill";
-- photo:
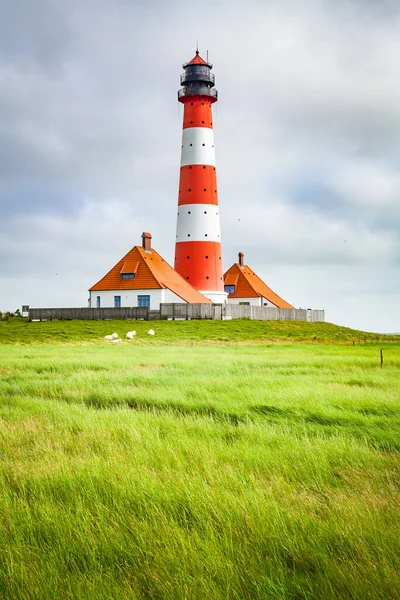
(220, 460)
(21, 331)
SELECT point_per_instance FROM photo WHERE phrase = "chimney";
(241, 259)
(146, 241)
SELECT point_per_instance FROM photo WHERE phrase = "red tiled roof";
(249, 285)
(151, 272)
(129, 266)
(231, 278)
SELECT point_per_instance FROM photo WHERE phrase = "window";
(144, 301)
(230, 289)
(98, 302)
(127, 275)
(244, 303)
(117, 301)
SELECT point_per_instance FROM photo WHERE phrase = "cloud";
(369, 185)
(288, 234)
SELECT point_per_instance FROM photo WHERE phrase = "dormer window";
(127, 275)
(230, 289)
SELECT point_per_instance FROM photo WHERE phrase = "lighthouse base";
(216, 297)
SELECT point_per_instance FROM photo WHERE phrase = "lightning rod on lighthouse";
(198, 256)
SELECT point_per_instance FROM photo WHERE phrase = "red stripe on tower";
(198, 257)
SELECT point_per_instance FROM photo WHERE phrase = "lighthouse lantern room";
(198, 256)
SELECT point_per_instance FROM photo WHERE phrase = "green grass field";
(217, 460)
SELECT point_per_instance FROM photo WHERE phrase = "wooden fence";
(191, 311)
(180, 311)
(98, 314)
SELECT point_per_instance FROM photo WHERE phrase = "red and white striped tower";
(198, 257)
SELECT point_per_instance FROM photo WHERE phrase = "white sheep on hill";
(113, 336)
(130, 335)
(118, 341)
(150, 332)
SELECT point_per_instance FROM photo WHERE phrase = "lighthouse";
(198, 256)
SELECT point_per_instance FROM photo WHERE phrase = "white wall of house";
(130, 297)
(266, 302)
(257, 301)
(171, 297)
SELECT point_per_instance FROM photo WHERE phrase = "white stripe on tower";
(198, 147)
(198, 222)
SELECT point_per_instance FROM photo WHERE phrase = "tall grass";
(167, 471)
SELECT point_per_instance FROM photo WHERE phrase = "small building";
(143, 278)
(243, 286)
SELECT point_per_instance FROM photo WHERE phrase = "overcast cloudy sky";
(307, 134)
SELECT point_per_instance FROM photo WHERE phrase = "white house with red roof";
(143, 278)
(243, 286)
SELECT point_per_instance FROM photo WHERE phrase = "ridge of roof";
(143, 276)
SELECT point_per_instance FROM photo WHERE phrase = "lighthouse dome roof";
(197, 60)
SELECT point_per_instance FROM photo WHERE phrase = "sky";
(307, 136)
